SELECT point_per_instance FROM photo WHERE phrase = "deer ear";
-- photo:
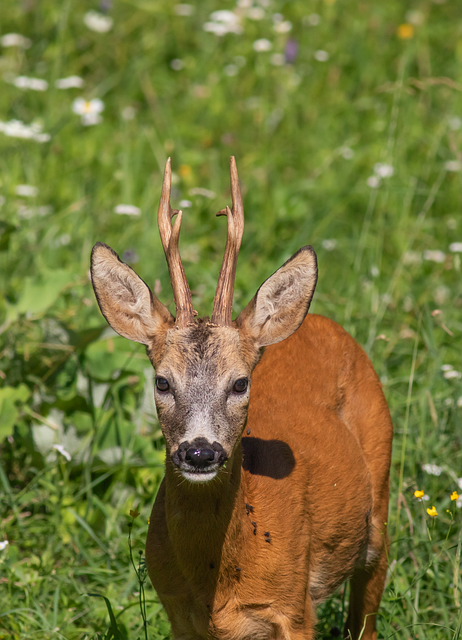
(125, 300)
(282, 302)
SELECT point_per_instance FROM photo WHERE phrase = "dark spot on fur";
(267, 534)
(248, 508)
(248, 432)
(254, 525)
(211, 565)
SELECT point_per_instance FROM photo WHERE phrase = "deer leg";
(366, 588)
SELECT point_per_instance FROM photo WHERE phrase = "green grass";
(306, 136)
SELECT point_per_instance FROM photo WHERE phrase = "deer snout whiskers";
(199, 460)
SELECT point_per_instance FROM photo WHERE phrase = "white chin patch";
(198, 477)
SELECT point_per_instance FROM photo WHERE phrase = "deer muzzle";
(199, 460)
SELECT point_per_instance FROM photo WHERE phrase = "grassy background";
(307, 135)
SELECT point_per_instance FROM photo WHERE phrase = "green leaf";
(10, 397)
(40, 293)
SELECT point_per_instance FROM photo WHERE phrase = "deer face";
(203, 367)
(202, 389)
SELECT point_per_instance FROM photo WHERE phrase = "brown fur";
(326, 517)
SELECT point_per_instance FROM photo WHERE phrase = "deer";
(278, 447)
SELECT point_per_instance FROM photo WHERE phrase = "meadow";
(346, 123)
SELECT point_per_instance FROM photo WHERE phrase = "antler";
(223, 301)
(169, 237)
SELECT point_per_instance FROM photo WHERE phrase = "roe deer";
(274, 496)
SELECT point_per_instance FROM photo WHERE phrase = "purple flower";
(105, 6)
(291, 51)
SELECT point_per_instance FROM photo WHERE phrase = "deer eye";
(240, 386)
(162, 384)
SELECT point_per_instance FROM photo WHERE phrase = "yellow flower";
(134, 513)
(419, 494)
(432, 512)
(454, 495)
(185, 171)
(149, 520)
(405, 31)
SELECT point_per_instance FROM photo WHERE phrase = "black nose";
(199, 458)
(199, 454)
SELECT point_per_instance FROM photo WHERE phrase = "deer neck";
(205, 522)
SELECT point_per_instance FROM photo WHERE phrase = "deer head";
(203, 366)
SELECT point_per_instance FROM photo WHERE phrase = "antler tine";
(223, 301)
(169, 238)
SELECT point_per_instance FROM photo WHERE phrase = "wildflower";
(405, 31)
(312, 20)
(131, 256)
(231, 70)
(89, 110)
(185, 171)
(329, 245)
(278, 59)
(223, 22)
(415, 17)
(62, 451)
(419, 494)
(412, 257)
(432, 469)
(62, 241)
(256, 13)
(184, 9)
(432, 512)
(36, 84)
(198, 191)
(72, 82)
(455, 123)
(347, 153)
(450, 375)
(407, 334)
(453, 165)
(17, 129)
(262, 45)
(128, 113)
(434, 256)
(127, 210)
(383, 169)
(454, 495)
(98, 22)
(291, 50)
(134, 513)
(373, 182)
(446, 367)
(185, 204)
(15, 40)
(3, 545)
(176, 64)
(321, 56)
(455, 247)
(283, 27)
(26, 190)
